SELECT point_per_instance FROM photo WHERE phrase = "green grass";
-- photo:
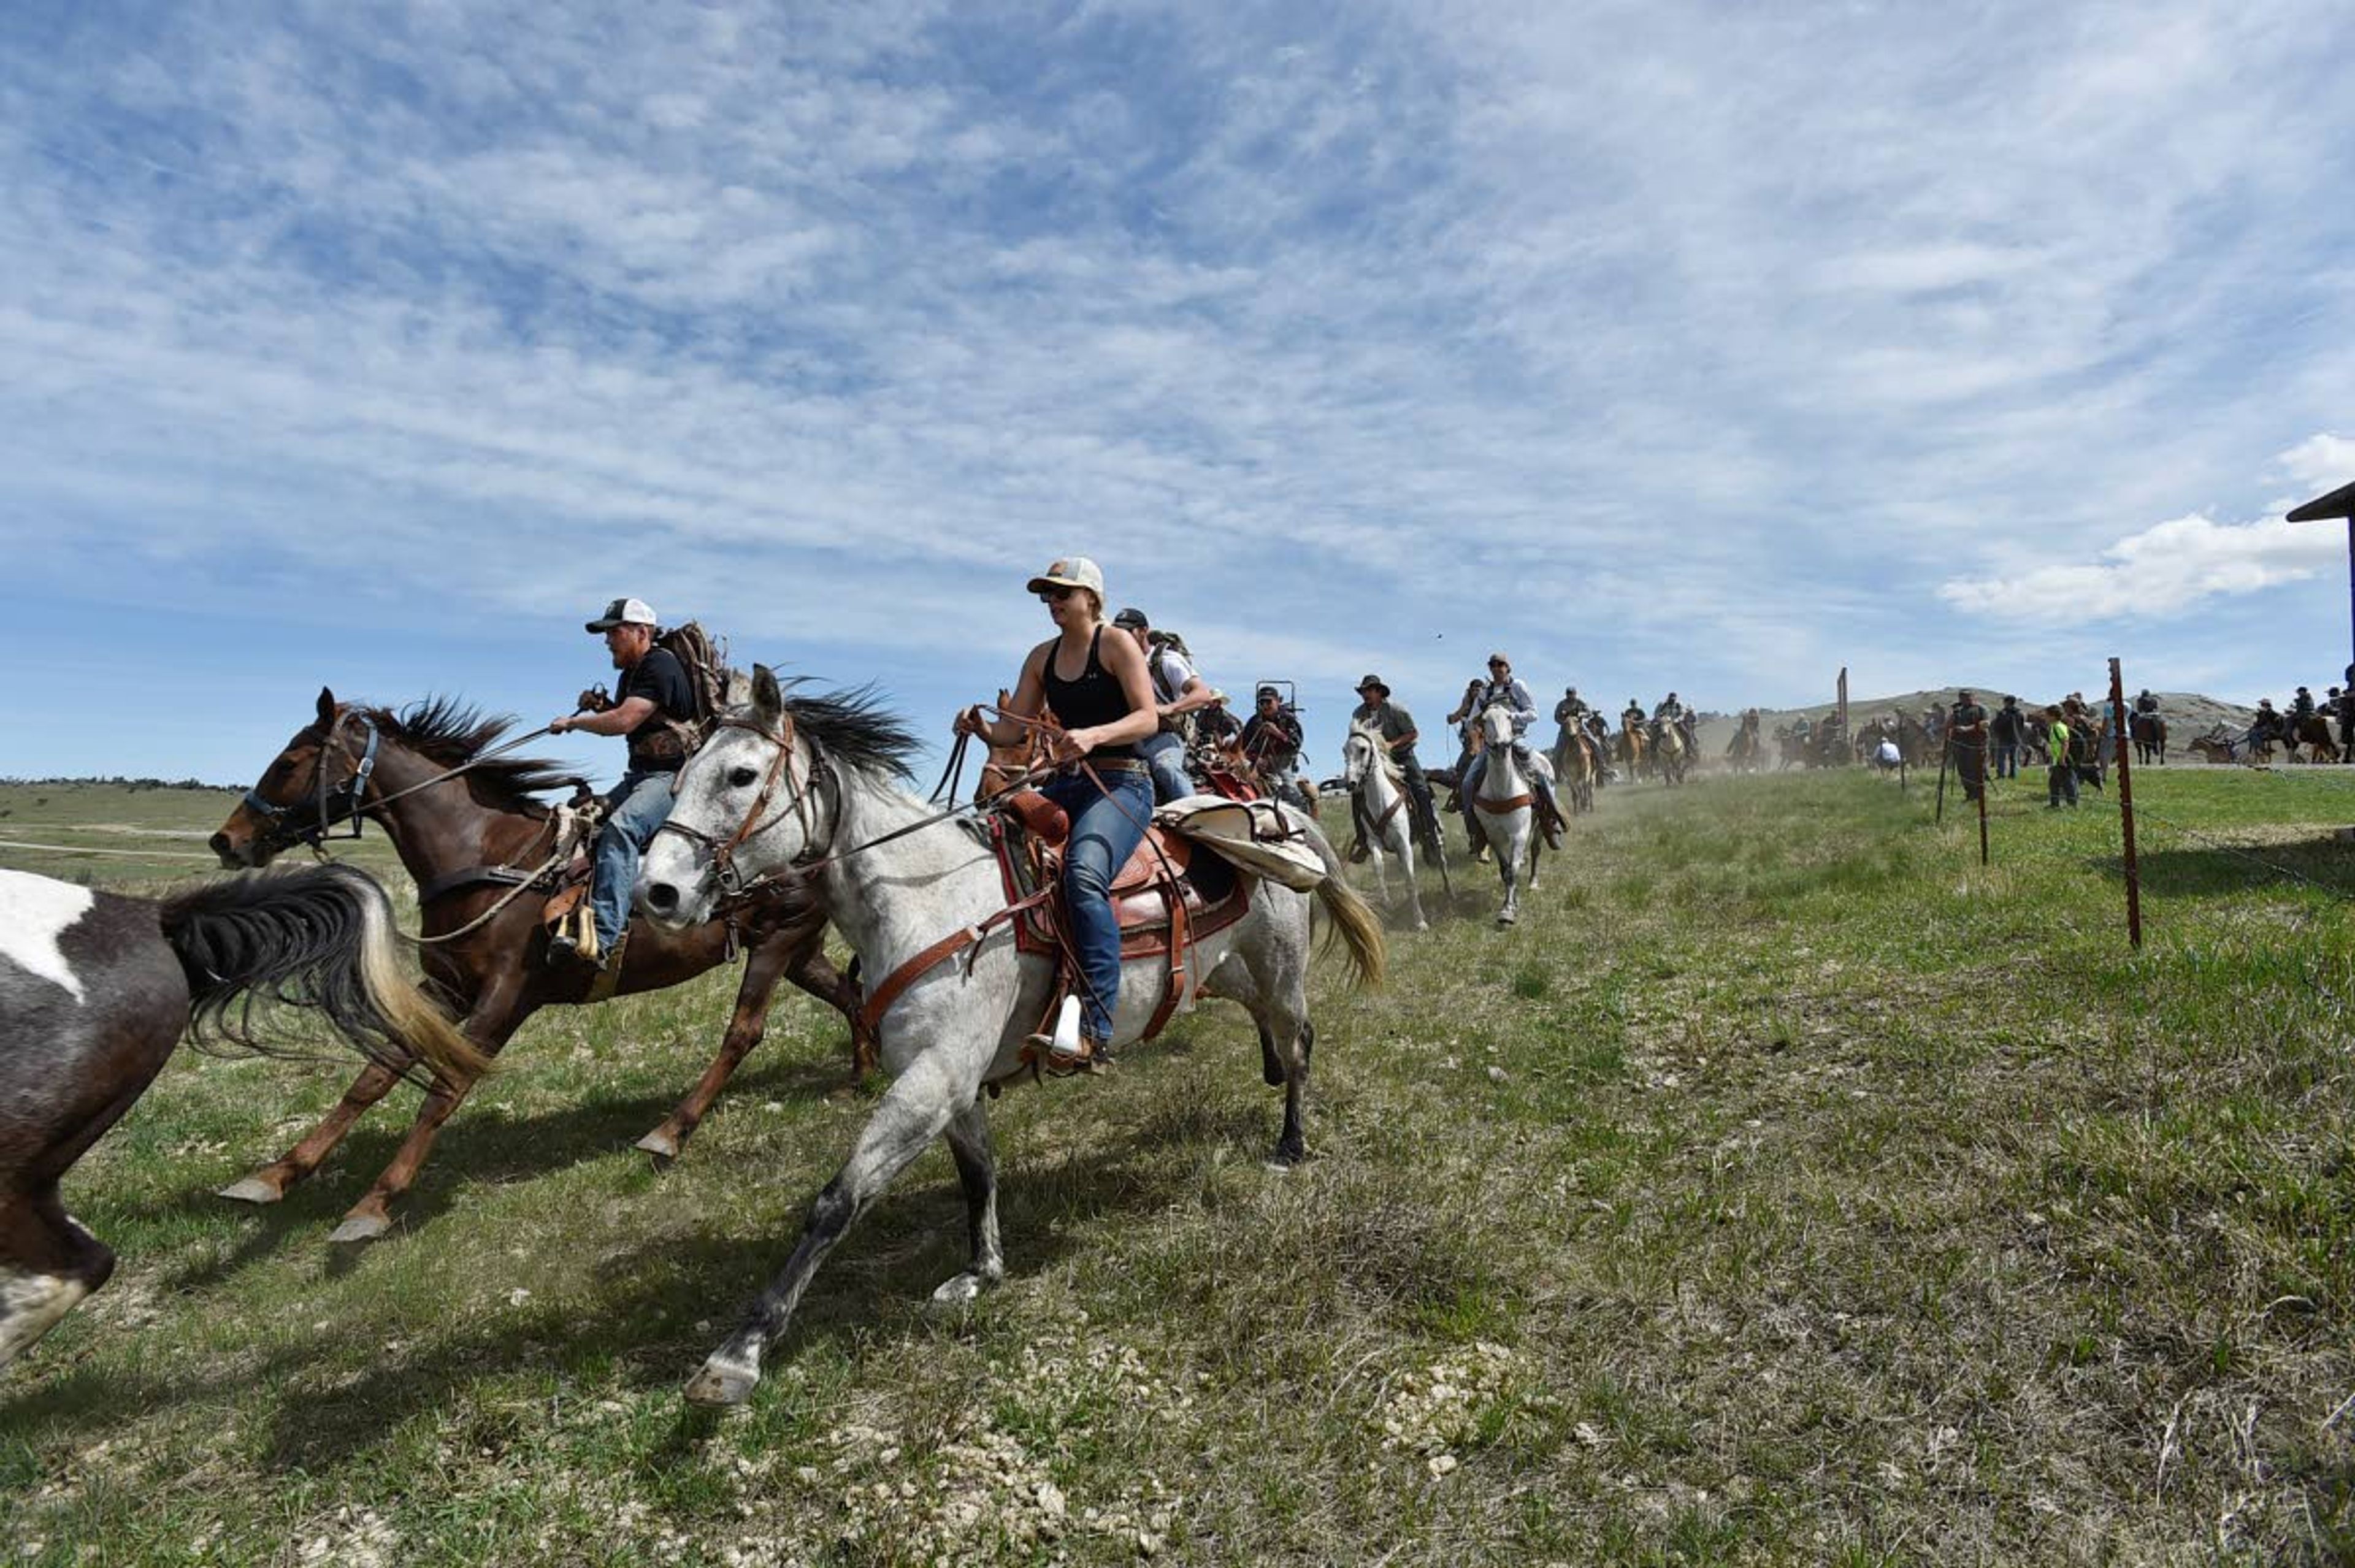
(1785, 1187)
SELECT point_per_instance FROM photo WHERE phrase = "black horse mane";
(854, 727)
(447, 730)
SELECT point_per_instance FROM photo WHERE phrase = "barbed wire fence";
(2136, 819)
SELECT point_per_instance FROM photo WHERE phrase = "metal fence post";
(2125, 806)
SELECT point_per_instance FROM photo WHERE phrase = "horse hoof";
(956, 1294)
(662, 1146)
(1507, 919)
(1423, 925)
(252, 1190)
(361, 1227)
(1285, 1156)
(722, 1385)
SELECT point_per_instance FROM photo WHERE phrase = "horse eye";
(741, 778)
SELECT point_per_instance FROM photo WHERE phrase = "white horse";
(1506, 806)
(1373, 772)
(806, 789)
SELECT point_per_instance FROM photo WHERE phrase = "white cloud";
(2160, 571)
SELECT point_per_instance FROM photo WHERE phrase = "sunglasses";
(1056, 596)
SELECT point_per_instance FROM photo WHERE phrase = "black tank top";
(1092, 697)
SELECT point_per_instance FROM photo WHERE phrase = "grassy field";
(1785, 1189)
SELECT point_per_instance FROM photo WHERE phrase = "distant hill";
(2187, 713)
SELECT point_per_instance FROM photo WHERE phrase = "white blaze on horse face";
(35, 912)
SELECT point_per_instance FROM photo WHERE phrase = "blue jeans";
(1165, 754)
(1106, 830)
(2006, 759)
(633, 809)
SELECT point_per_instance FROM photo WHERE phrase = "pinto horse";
(95, 990)
(807, 791)
(470, 828)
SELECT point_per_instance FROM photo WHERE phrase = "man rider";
(1177, 692)
(2267, 727)
(652, 704)
(1272, 738)
(1575, 715)
(1505, 687)
(1397, 731)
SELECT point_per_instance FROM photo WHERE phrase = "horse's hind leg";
(495, 1019)
(976, 1165)
(745, 1027)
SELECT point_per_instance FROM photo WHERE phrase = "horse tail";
(319, 938)
(1350, 918)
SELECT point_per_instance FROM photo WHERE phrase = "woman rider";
(1099, 692)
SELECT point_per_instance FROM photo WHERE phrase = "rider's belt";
(1118, 764)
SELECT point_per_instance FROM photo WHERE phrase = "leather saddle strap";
(473, 876)
(880, 1000)
(1174, 990)
(1500, 808)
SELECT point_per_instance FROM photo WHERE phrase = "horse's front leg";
(916, 1109)
(1405, 852)
(1509, 866)
(745, 1027)
(977, 1164)
(269, 1184)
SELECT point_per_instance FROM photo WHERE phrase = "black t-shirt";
(661, 679)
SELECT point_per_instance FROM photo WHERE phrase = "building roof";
(2340, 503)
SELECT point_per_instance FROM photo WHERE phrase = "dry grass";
(1784, 1189)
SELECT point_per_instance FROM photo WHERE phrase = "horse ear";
(768, 701)
(327, 706)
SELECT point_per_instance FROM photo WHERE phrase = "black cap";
(1267, 692)
(1131, 620)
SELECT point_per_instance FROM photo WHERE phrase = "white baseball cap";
(624, 612)
(1071, 571)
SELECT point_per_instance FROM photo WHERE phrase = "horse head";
(293, 801)
(744, 810)
(1496, 725)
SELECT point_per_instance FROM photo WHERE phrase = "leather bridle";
(281, 830)
(732, 882)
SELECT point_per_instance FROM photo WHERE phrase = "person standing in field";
(1967, 735)
(2061, 778)
(2008, 728)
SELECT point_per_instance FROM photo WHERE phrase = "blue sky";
(1663, 345)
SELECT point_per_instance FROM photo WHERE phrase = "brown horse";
(2313, 733)
(2149, 732)
(1575, 766)
(469, 827)
(95, 990)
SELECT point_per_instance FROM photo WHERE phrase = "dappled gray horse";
(1380, 786)
(1506, 806)
(806, 789)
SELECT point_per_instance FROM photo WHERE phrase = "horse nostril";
(661, 897)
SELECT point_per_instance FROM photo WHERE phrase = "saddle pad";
(1255, 835)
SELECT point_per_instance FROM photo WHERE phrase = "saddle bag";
(1253, 834)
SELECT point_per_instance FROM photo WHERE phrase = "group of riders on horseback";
(2307, 726)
